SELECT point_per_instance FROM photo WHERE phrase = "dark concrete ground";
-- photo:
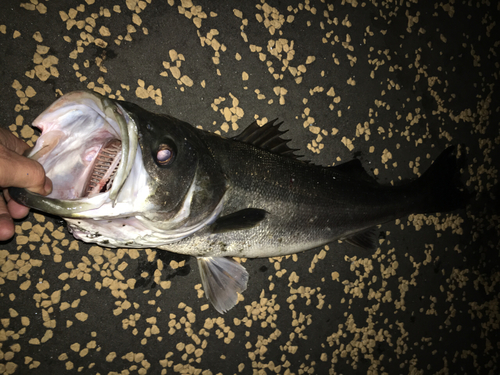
(392, 83)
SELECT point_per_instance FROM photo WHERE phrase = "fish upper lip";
(111, 113)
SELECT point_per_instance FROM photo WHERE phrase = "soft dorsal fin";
(354, 169)
(267, 137)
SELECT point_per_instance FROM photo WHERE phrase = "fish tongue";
(104, 169)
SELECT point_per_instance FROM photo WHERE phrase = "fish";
(125, 177)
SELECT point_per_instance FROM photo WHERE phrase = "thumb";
(19, 171)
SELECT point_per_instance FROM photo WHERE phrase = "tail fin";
(440, 186)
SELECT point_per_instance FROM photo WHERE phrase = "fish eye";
(164, 155)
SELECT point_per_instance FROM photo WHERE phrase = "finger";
(13, 143)
(16, 210)
(19, 171)
(6, 222)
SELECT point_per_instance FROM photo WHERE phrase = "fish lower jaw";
(108, 233)
(128, 232)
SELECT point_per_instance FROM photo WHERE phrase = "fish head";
(179, 164)
(121, 175)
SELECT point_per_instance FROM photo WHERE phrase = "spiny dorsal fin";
(267, 137)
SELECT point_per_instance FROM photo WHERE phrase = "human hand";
(17, 170)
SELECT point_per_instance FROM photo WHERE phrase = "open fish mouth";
(88, 149)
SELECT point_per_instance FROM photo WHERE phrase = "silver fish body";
(182, 189)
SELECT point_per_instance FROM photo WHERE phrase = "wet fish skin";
(276, 205)
(307, 205)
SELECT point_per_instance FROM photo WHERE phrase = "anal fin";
(222, 279)
(366, 239)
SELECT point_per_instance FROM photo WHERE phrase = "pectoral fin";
(222, 279)
(242, 219)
